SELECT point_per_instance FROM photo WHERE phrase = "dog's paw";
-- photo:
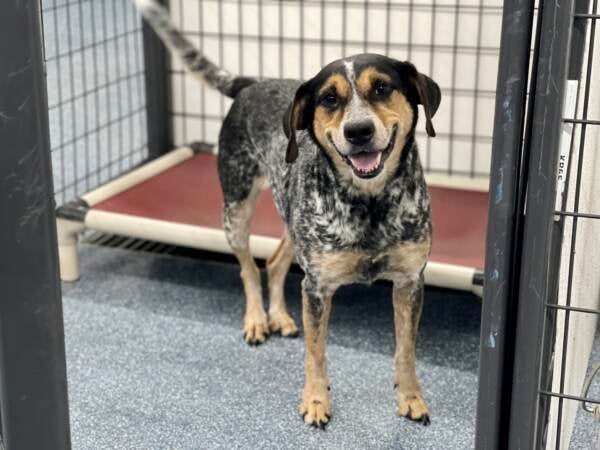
(256, 328)
(281, 322)
(413, 407)
(315, 407)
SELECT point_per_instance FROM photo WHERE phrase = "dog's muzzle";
(368, 164)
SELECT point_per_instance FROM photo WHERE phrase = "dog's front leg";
(408, 302)
(316, 307)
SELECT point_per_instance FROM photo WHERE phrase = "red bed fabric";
(190, 193)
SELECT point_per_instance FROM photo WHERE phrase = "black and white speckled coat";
(340, 156)
(322, 212)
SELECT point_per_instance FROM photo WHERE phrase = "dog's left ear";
(430, 97)
(296, 119)
(428, 92)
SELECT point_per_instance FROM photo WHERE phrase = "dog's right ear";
(296, 119)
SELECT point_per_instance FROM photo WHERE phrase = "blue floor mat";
(156, 360)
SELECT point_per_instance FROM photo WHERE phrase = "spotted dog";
(340, 156)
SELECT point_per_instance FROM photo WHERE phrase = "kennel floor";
(156, 360)
(190, 193)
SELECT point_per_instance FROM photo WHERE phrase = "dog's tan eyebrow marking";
(367, 77)
(337, 82)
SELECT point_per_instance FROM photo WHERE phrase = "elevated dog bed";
(176, 199)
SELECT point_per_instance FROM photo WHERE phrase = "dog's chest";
(399, 263)
(332, 222)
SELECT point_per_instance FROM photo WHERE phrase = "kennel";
(127, 128)
(176, 198)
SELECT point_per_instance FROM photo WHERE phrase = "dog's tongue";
(366, 161)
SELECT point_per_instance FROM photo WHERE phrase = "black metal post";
(158, 93)
(536, 276)
(502, 263)
(33, 382)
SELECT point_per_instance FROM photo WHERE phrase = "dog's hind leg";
(408, 302)
(236, 220)
(278, 266)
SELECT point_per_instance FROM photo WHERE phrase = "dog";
(340, 156)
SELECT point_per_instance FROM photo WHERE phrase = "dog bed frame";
(176, 199)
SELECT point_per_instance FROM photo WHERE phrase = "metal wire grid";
(95, 79)
(573, 219)
(455, 42)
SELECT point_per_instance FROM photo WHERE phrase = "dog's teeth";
(367, 162)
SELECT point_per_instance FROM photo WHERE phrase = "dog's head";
(361, 110)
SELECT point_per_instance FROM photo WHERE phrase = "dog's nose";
(359, 133)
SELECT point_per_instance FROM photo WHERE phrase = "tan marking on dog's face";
(367, 79)
(324, 122)
(338, 83)
(393, 110)
(328, 119)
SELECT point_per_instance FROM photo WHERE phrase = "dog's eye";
(329, 100)
(381, 89)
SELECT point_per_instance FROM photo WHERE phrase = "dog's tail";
(158, 18)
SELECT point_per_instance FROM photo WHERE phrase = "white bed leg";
(68, 236)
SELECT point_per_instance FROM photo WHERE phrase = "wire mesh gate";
(538, 333)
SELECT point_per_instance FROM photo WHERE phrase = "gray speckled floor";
(156, 360)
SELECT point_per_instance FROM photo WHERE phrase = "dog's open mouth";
(366, 163)
(369, 164)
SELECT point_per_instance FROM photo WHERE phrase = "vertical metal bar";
(527, 144)
(538, 225)
(344, 21)
(61, 119)
(221, 58)
(86, 114)
(158, 93)
(365, 15)
(453, 87)
(96, 83)
(322, 33)
(302, 43)
(129, 83)
(388, 19)
(71, 101)
(410, 24)
(201, 47)
(280, 37)
(501, 266)
(114, 16)
(109, 130)
(475, 118)
(33, 379)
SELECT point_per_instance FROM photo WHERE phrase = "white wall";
(459, 51)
